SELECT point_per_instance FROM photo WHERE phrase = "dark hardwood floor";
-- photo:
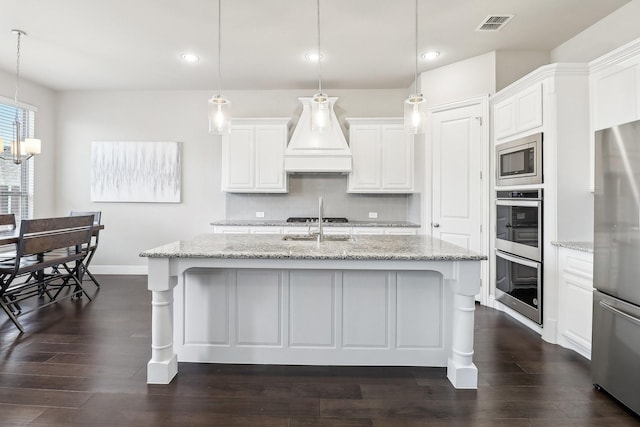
(84, 364)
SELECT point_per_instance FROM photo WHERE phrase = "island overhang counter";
(374, 300)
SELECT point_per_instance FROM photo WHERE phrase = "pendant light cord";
(219, 46)
(15, 99)
(319, 54)
(415, 77)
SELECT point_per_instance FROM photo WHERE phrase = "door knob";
(435, 225)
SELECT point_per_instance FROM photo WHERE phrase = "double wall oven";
(519, 251)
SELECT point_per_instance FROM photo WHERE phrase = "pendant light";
(415, 104)
(320, 107)
(20, 150)
(219, 105)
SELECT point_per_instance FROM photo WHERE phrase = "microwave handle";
(518, 260)
(518, 202)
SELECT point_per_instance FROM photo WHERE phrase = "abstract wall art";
(124, 171)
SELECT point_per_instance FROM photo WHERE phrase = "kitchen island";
(373, 300)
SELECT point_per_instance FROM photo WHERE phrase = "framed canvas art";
(124, 171)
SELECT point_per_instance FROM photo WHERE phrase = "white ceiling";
(136, 44)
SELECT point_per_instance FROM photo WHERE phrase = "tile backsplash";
(302, 200)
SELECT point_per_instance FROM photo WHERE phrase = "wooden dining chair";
(7, 225)
(93, 246)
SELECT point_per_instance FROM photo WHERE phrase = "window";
(16, 181)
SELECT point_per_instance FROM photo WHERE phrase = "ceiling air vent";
(494, 22)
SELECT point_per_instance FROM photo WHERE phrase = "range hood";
(310, 151)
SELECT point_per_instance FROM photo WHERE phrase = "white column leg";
(163, 365)
(461, 370)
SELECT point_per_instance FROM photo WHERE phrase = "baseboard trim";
(120, 269)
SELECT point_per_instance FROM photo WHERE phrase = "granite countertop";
(280, 223)
(578, 246)
(252, 246)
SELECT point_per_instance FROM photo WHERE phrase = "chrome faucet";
(320, 219)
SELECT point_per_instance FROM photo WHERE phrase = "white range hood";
(310, 151)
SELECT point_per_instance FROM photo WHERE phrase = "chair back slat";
(41, 243)
(7, 221)
(96, 215)
(47, 225)
(44, 235)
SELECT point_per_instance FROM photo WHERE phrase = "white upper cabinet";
(519, 113)
(382, 156)
(253, 156)
(615, 87)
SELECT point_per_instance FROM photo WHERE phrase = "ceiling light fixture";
(415, 104)
(219, 105)
(21, 150)
(320, 105)
(189, 58)
(312, 57)
(431, 55)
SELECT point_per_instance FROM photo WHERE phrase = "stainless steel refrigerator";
(615, 357)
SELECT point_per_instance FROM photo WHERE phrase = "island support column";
(163, 365)
(461, 371)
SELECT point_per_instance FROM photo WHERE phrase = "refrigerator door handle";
(620, 313)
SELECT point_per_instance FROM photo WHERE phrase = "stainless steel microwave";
(519, 162)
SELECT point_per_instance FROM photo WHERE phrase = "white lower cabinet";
(313, 316)
(328, 231)
(575, 305)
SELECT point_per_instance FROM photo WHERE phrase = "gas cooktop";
(305, 219)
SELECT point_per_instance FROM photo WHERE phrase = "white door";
(457, 164)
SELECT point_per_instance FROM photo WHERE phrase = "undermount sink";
(310, 238)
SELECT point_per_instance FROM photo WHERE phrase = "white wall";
(44, 99)
(618, 28)
(86, 116)
(465, 79)
(514, 64)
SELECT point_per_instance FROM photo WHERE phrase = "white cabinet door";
(253, 156)
(616, 95)
(397, 158)
(528, 108)
(518, 113)
(238, 164)
(504, 118)
(271, 142)
(366, 153)
(575, 285)
(382, 156)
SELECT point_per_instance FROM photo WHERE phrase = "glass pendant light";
(219, 105)
(21, 150)
(415, 104)
(320, 107)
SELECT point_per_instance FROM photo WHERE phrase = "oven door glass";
(519, 282)
(518, 229)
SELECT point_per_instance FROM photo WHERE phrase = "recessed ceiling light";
(312, 57)
(431, 55)
(189, 57)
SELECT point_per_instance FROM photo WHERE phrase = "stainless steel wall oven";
(519, 251)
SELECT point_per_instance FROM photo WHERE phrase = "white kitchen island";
(378, 301)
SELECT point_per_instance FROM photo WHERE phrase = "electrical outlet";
(259, 214)
(373, 215)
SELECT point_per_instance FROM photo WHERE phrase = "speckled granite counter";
(577, 246)
(378, 300)
(254, 246)
(282, 223)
